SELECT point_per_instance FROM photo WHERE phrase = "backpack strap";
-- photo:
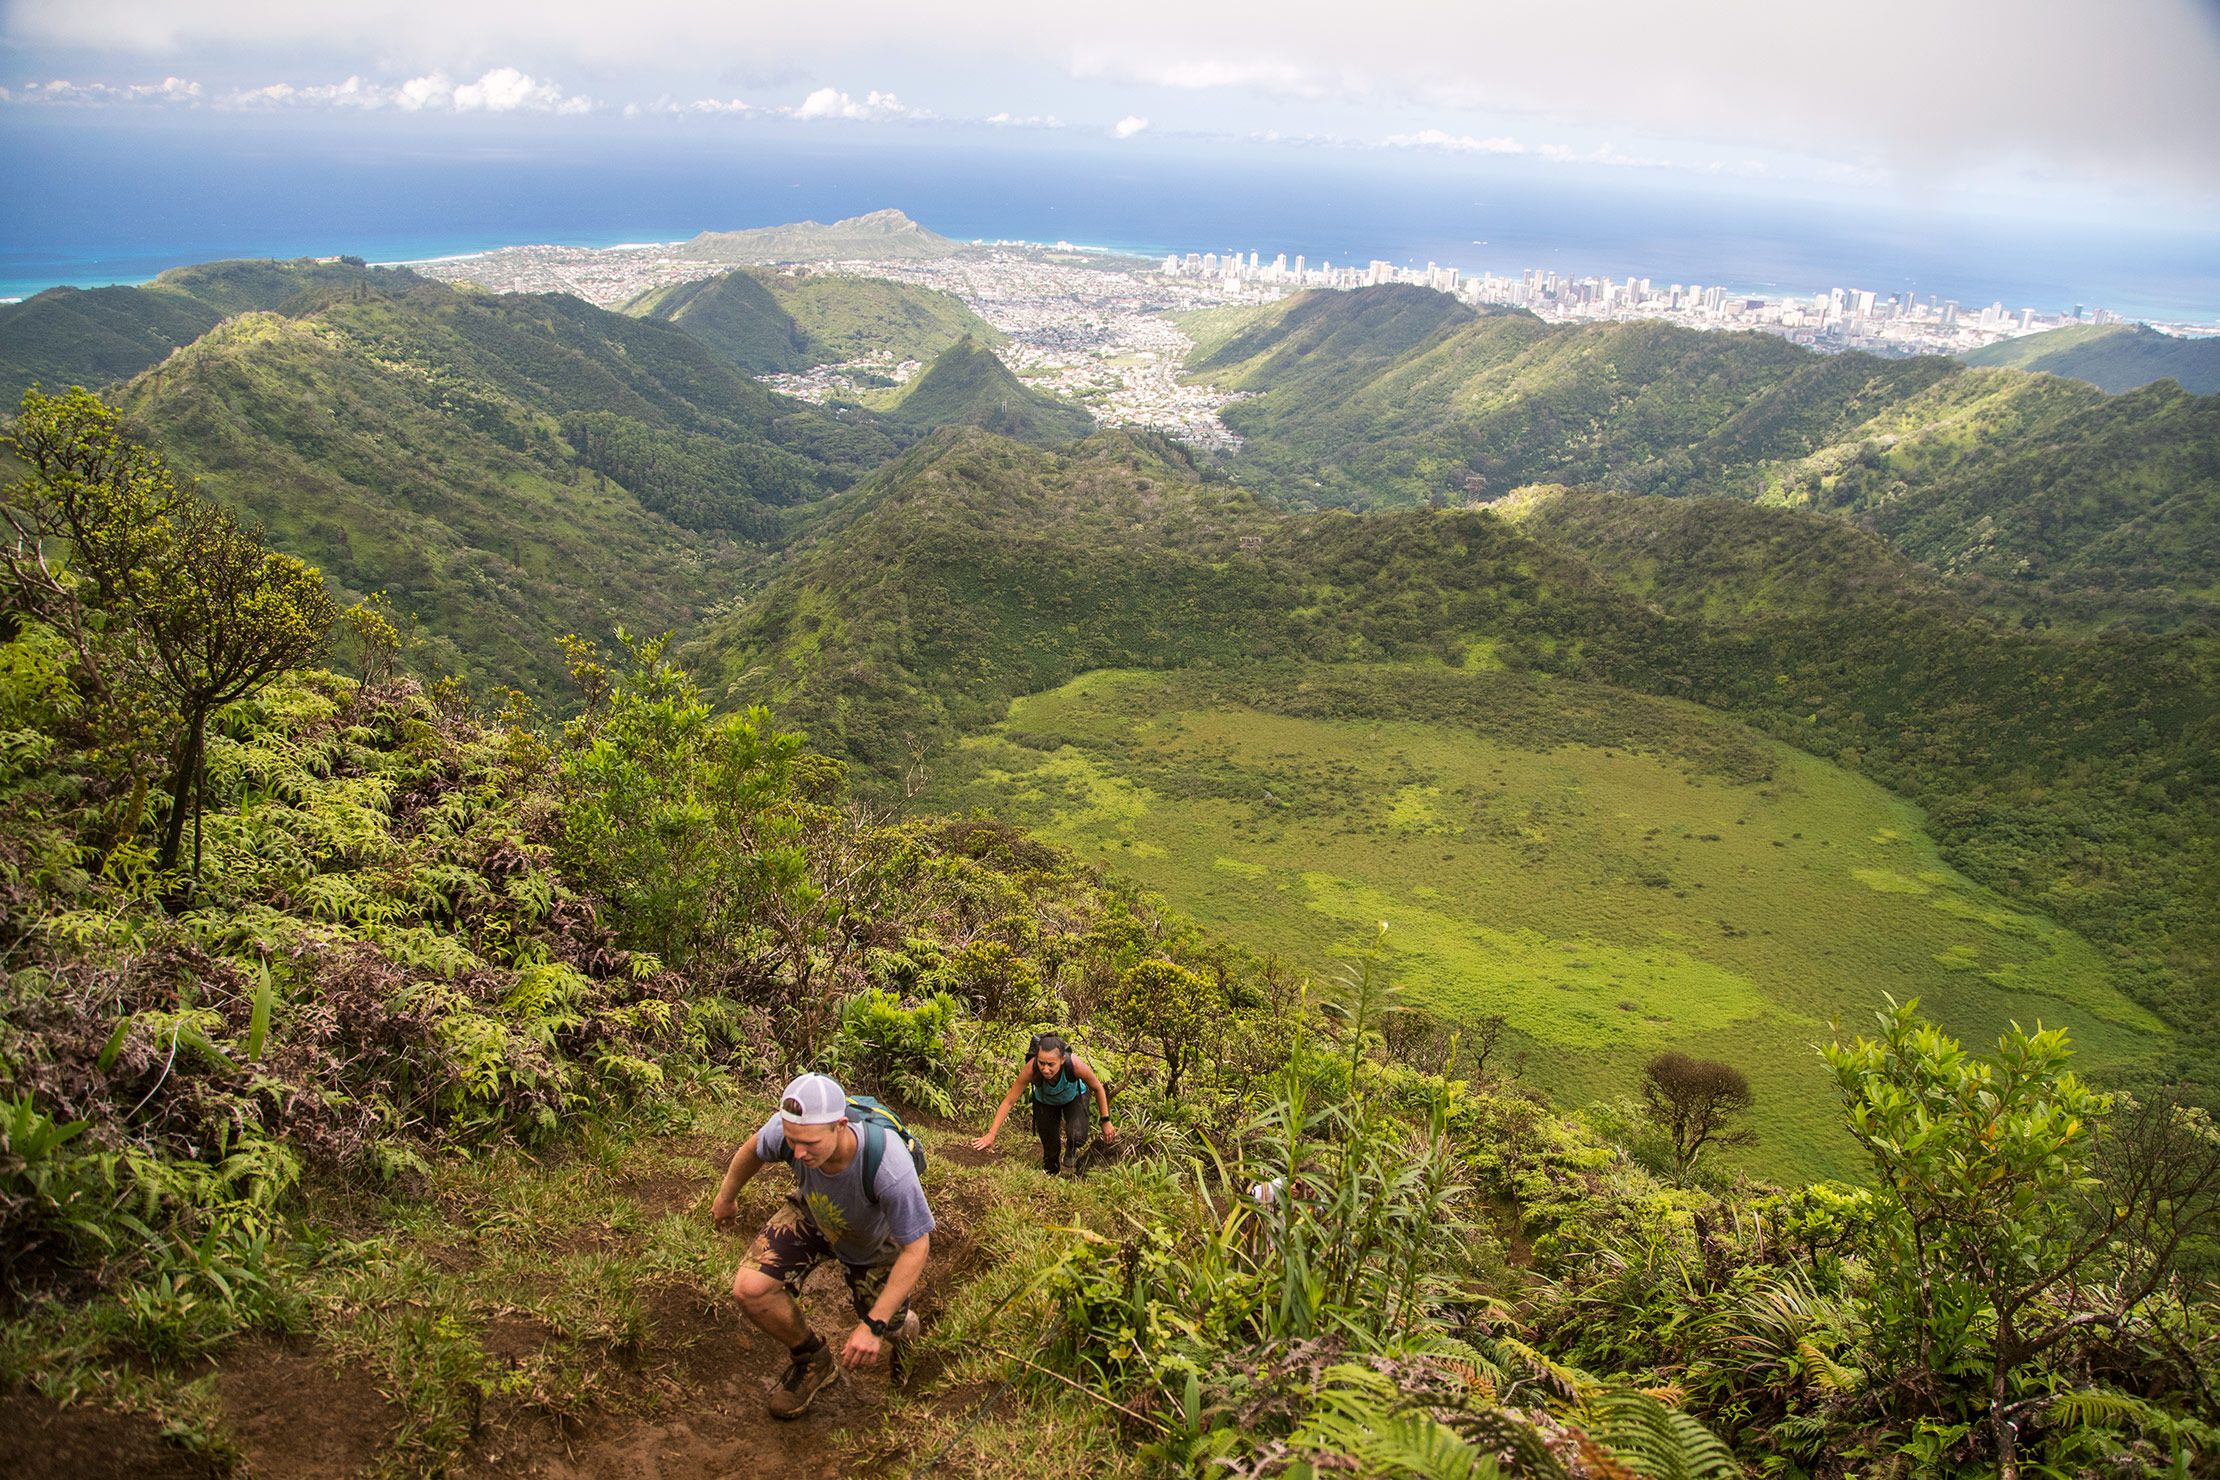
(874, 1156)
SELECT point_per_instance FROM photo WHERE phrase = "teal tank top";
(1066, 1087)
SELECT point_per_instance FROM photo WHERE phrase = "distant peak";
(888, 221)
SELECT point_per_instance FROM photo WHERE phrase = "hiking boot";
(805, 1378)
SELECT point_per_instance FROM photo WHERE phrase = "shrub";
(1169, 1009)
(900, 1051)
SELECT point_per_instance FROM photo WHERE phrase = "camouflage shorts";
(791, 1245)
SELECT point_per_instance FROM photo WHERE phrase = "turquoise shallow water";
(94, 199)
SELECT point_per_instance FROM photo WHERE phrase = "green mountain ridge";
(508, 467)
(97, 337)
(968, 385)
(2034, 489)
(2111, 357)
(774, 321)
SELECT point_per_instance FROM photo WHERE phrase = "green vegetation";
(876, 236)
(2111, 357)
(2072, 776)
(505, 469)
(399, 1124)
(102, 336)
(734, 317)
(1614, 875)
(968, 385)
(770, 321)
(2035, 490)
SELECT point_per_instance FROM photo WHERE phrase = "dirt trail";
(684, 1402)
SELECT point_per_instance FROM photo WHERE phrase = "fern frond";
(2105, 1411)
(1825, 1373)
(1660, 1442)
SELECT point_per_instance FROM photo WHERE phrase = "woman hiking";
(1060, 1082)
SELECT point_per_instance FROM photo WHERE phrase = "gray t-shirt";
(861, 1232)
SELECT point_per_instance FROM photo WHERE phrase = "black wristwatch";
(878, 1327)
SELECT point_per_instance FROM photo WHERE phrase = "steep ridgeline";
(2111, 357)
(97, 337)
(2079, 776)
(968, 385)
(977, 569)
(773, 321)
(2040, 489)
(508, 468)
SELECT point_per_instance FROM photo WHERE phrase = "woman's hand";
(1109, 1131)
(984, 1143)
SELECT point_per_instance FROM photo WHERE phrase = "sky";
(2045, 108)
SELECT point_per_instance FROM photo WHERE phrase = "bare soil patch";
(43, 1442)
(297, 1416)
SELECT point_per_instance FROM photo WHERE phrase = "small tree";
(224, 615)
(212, 614)
(2025, 1207)
(1693, 1101)
(1168, 1006)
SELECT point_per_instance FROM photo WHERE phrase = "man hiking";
(1060, 1082)
(856, 1198)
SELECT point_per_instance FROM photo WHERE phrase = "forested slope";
(968, 385)
(2111, 357)
(508, 468)
(764, 321)
(99, 336)
(2037, 489)
(2080, 775)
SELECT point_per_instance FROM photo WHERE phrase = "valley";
(1612, 875)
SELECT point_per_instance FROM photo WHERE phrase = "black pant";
(1059, 1126)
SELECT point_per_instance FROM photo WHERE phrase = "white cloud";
(1130, 125)
(501, 90)
(830, 102)
(2115, 90)
(505, 90)
(1434, 138)
(168, 90)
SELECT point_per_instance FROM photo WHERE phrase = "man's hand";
(1109, 1131)
(984, 1143)
(862, 1349)
(724, 1212)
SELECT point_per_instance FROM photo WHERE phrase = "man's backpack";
(874, 1123)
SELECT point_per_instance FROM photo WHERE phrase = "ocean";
(117, 198)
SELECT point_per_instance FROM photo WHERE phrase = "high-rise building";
(1210, 264)
(1950, 314)
(1171, 264)
(1298, 267)
(1194, 263)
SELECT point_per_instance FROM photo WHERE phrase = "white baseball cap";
(814, 1099)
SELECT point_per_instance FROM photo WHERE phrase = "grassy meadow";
(1645, 876)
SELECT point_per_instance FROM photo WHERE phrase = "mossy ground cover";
(1666, 880)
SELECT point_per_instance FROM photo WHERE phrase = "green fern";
(1658, 1441)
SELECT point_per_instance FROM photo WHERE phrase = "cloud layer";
(2129, 87)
